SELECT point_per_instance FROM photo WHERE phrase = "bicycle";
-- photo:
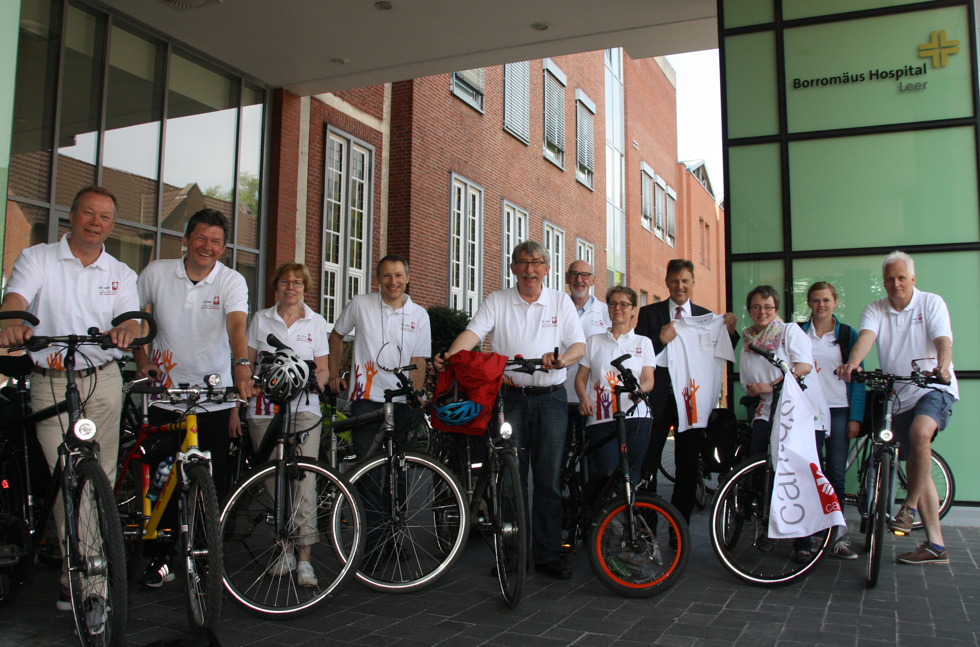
(190, 477)
(496, 498)
(638, 544)
(283, 505)
(881, 457)
(93, 545)
(415, 510)
(739, 526)
(707, 481)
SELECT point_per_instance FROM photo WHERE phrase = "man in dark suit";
(656, 322)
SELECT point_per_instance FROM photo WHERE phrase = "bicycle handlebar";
(523, 365)
(184, 393)
(781, 364)
(878, 380)
(20, 314)
(630, 384)
(93, 336)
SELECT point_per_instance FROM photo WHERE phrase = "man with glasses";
(594, 319)
(392, 331)
(532, 320)
(656, 321)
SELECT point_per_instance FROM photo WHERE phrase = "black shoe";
(156, 574)
(765, 544)
(557, 569)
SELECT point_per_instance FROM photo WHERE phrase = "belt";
(534, 390)
(85, 372)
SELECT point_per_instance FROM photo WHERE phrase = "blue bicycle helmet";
(459, 410)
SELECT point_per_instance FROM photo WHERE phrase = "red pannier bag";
(479, 376)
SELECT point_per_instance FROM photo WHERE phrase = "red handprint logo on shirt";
(603, 402)
(356, 389)
(165, 360)
(691, 402)
(612, 379)
(56, 362)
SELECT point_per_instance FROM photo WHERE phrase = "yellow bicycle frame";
(152, 513)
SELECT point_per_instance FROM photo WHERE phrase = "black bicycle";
(93, 541)
(638, 544)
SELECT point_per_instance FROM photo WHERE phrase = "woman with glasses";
(831, 342)
(296, 325)
(596, 378)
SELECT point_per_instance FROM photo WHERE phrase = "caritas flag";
(803, 501)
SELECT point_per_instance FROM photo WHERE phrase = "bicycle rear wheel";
(320, 510)
(739, 530)
(647, 561)
(506, 507)
(97, 561)
(417, 520)
(942, 476)
(202, 548)
(879, 512)
(16, 545)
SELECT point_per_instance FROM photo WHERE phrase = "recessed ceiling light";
(383, 5)
(340, 60)
(540, 26)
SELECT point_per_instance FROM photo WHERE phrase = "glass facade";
(866, 144)
(166, 132)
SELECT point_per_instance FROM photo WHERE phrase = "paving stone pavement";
(915, 606)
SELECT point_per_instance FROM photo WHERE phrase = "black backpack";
(719, 446)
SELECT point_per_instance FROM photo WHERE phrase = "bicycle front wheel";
(202, 548)
(320, 512)
(879, 513)
(509, 527)
(97, 560)
(417, 521)
(645, 561)
(739, 530)
(942, 477)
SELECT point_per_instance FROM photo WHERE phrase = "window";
(705, 230)
(554, 242)
(671, 224)
(584, 138)
(468, 86)
(554, 113)
(346, 223)
(515, 232)
(660, 209)
(517, 100)
(465, 226)
(584, 252)
(643, 298)
(646, 196)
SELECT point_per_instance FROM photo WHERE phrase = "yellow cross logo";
(939, 49)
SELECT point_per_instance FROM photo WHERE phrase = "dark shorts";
(937, 405)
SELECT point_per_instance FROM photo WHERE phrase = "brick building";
(452, 170)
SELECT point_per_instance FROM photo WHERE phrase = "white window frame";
(341, 279)
(646, 196)
(469, 85)
(659, 206)
(554, 242)
(554, 113)
(671, 237)
(465, 244)
(517, 100)
(584, 139)
(515, 223)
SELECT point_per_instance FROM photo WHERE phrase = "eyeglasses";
(767, 308)
(621, 305)
(573, 274)
(535, 263)
(296, 283)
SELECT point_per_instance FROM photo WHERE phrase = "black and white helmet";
(286, 377)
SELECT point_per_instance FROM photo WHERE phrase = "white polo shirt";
(826, 359)
(68, 298)
(385, 339)
(753, 368)
(594, 320)
(529, 329)
(307, 336)
(192, 335)
(600, 350)
(910, 335)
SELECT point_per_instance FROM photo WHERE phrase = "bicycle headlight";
(214, 380)
(506, 431)
(85, 429)
(885, 435)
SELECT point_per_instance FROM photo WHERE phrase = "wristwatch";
(242, 362)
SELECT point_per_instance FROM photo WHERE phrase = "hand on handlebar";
(844, 371)
(15, 335)
(337, 384)
(552, 361)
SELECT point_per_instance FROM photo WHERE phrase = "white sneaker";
(285, 565)
(305, 576)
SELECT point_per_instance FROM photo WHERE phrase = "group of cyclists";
(677, 350)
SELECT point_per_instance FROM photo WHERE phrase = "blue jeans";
(606, 456)
(835, 455)
(539, 423)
